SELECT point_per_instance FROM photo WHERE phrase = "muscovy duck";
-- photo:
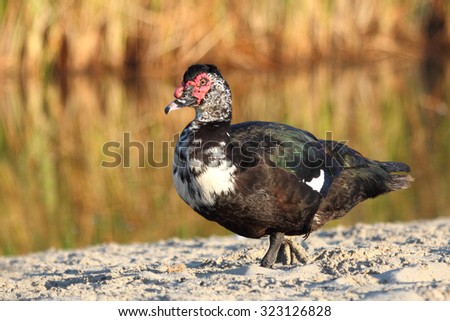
(266, 178)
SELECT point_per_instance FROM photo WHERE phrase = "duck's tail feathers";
(392, 167)
(397, 182)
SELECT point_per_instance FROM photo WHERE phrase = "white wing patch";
(317, 182)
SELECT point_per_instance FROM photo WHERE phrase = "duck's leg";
(276, 239)
(291, 252)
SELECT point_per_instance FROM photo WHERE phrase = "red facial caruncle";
(201, 85)
(179, 91)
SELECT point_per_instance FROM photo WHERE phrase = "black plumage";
(264, 178)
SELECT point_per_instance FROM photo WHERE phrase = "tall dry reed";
(46, 37)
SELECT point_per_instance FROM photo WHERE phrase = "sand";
(401, 261)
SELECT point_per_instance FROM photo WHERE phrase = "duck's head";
(204, 89)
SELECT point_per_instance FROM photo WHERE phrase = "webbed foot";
(291, 253)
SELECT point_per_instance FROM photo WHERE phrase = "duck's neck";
(213, 115)
(218, 131)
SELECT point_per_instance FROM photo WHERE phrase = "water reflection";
(55, 193)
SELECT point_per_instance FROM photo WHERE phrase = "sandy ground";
(366, 262)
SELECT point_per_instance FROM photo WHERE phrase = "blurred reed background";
(75, 75)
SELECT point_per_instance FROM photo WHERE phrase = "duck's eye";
(203, 82)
